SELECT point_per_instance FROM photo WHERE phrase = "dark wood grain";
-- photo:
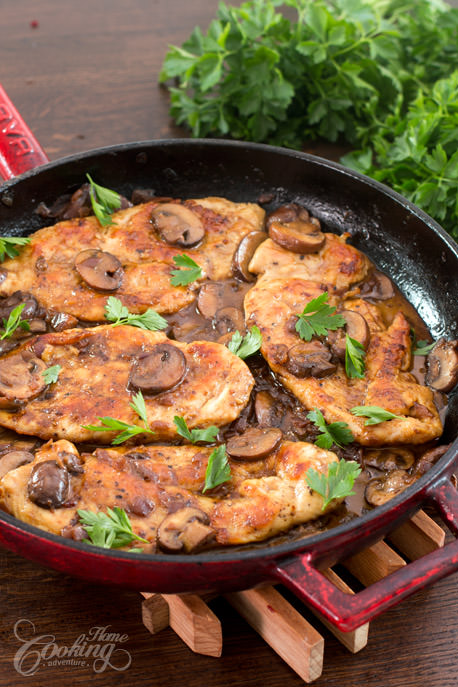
(86, 77)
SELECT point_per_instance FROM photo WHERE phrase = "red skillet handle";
(347, 611)
(19, 149)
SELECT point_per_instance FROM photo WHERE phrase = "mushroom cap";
(255, 443)
(392, 458)
(160, 370)
(48, 484)
(21, 377)
(381, 489)
(229, 319)
(443, 366)
(355, 326)
(310, 359)
(100, 270)
(177, 224)
(292, 228)
(186, 529)
(379, 287)
(244, 253)
(14, 459)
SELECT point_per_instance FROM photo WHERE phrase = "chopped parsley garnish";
(338, 433)
(218, 468)
(375, 414)
(354, 358)
(191, 271)
(194, 435)
(244, 346)
(126, 431)
(51, 374)
(317, 318)
(14, 321)
(117, 313)
(104, 202)
(337, 484)
(8, 246)
(109, 530)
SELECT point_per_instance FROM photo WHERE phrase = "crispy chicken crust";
(271, 305)
(262, 499)
(46, 266)
(94, 382)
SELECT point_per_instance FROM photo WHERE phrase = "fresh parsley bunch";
(340, 70)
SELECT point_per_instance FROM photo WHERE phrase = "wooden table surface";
(84, 74)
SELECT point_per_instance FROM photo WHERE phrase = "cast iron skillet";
(403, 241)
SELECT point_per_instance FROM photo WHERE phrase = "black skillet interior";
(402, 241)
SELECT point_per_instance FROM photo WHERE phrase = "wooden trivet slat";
(275, 619)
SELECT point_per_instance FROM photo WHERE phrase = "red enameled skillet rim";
(443, 468)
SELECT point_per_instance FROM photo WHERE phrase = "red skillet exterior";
(399, 238)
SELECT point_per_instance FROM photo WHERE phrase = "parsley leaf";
(337, 433)
(14, 321)
(354, 358)
(109, 530)
(126, 431)
(117, 313)
(104, 201)
(317, 318)
(51, 374)
(8, 246)
(218, 468)
(337, 484)
(194, 435)
(247, 345)
(190, 273)
(376, 414)
(423, 347)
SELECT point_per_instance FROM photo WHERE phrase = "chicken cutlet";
(317, 377)
(101, 369)
(155, 483)
(73, 266)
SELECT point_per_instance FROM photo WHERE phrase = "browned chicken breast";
(131, 259)
(102, 368)
(273, 303)
(336, 264)
(152, 483)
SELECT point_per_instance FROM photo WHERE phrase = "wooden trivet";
(289, 634)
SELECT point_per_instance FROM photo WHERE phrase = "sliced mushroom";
(264, 408)
(310, 359)
(379, 287)
(100, 270)
(177, 224)
(187, 529)
(60, 321)
(229, 320)
(244, 253)
(429, 458)
(255, 443)
(21, 377)
(382, 489)
(292, 228)
(210, 298)
(356, 327)
(14, 459)
(37, 326)
(389, 458)
(17, 298)
(160, 370)
(48, 484)
(443, 366)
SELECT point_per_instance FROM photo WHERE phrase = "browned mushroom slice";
(389, 458)
(244, 253)
(21, 377)
(255, 443)
(14, 459)
(429, 458)
(443, 366)
(378, 287)
(264, 408)
(160, 370)
(177, 224)
(291, 227)
(60, 321)
(382, 489)
(48, 485)
(100, 270)
(210, 298)
(19, 298)
(229, 320)
(310, 359)
(185, 530)
(356, 327)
